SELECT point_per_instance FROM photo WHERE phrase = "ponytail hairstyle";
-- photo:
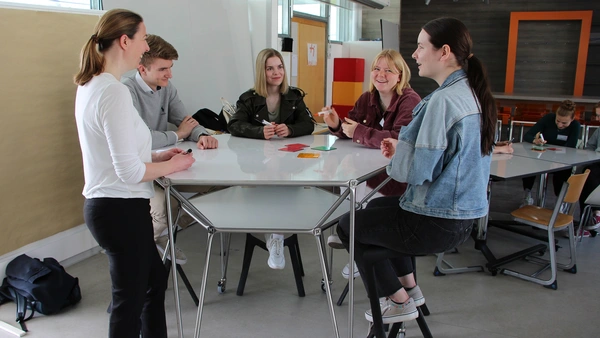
(452, 32)
(111, 26)
(566, 109)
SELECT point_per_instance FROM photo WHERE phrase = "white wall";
(215, 40)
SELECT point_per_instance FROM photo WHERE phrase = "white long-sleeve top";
(115, 142)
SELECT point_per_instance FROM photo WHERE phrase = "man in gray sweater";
(156, 99)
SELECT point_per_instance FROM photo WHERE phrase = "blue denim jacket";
(439, 155)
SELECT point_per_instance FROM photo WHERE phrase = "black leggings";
(384, 224)
(123, 227)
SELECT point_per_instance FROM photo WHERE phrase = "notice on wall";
(312, 54)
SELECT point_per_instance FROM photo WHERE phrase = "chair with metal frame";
(552, 220)
(592, 201)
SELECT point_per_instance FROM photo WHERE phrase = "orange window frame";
(584, 38)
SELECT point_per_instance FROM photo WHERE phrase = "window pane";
(80, 4)
(311, 7)
(283, 17)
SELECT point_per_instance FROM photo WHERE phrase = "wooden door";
(311, 75)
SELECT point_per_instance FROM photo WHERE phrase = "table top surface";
(558, 154)
(269, 208)
(506, 166)
(544, 98)
(243, 161)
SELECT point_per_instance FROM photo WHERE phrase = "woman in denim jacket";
(444, 156)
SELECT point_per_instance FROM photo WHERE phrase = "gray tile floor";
(464, 305)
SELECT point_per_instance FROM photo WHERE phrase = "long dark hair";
(452, 32)
(112, 25)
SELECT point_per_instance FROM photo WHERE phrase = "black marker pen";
(189, 151)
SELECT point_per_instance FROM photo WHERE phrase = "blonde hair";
(111, 26)
(398, 66)
(566, 109)
(260, 81)
(159, 49)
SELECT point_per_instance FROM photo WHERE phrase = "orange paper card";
(308, 155)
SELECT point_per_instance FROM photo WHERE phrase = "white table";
(556, 154)
(250, 162)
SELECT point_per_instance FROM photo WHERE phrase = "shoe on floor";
(275, 246)
(395, 313)
(584, 234)
(335, 242)
(346, 271)
(595, 223)
(161, 244)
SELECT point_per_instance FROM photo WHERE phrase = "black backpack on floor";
(40, 286)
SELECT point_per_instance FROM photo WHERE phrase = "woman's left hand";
(165, 155)
(349, 126)
(282, 130)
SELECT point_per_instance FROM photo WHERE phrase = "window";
(78, 4)
(310, 7)
(283, 17)
(342, 18)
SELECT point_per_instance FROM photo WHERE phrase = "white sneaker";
(335, 242)
(276, 258)
(527, 200)
(161, 244)
(395, 313)
(346, 271)
(414, 293)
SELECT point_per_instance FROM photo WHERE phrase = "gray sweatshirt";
(157, 108)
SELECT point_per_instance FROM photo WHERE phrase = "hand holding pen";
(330, 117)
(539, 139)
(268, 129)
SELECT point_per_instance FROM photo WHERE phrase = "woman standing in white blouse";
(119, 169)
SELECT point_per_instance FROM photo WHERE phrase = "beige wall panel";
(40, 159)
(311, 79)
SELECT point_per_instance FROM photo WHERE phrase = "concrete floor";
(463, 305)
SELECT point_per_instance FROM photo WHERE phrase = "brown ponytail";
(111, 26)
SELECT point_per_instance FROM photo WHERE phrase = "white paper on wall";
(312, 54)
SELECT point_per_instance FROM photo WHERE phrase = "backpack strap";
(21, 308)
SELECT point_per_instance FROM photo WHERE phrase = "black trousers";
(384, 224)
(558, 178)
(123, 227)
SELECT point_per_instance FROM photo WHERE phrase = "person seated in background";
(593, 180)
(157, 102)
(379, 113)
(271, 108)
(559, 129)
